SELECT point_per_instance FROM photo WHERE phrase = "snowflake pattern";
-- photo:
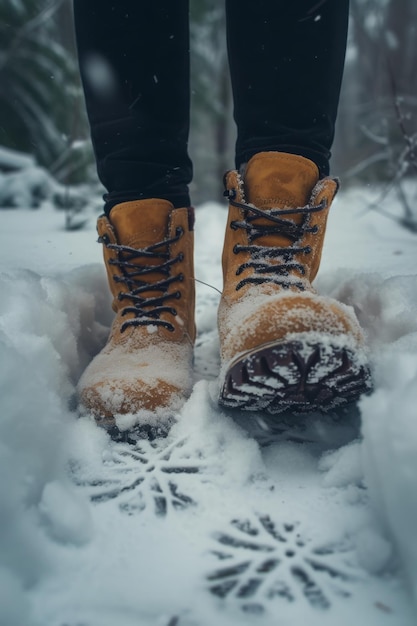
(264, 561)
(144, 476)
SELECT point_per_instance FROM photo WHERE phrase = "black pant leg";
(134, 62)
(286, 60)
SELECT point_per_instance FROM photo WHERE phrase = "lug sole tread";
(294, 375)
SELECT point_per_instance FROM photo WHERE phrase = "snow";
(100, 74)
(95, 532)
(11, 159)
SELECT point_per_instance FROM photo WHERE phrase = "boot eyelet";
(170, 328)
(181, 257)
(236, 249)
(179, 231)
(233, 226)
(181, 277)
(307, 250)
(315, 229)
(230, 193)
(177, 295)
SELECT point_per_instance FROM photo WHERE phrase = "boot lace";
(262, 257)
(147, 310)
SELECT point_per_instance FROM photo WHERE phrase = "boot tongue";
(279, 180)
(141, 223)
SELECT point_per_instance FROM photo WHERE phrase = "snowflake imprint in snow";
(261, 561)
(147, 475)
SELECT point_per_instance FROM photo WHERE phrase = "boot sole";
(295, 375)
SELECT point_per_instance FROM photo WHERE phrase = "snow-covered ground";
(299, 521)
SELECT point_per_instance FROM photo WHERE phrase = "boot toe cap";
(150, 385)
(250, 324)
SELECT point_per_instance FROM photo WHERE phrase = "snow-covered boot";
(282, 345)
(146, 367)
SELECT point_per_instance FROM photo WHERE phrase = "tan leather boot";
(282, 345)
(145, 368)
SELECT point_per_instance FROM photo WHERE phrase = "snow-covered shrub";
(23, 184)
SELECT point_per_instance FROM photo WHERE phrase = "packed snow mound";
(48, 331)
(389, 451)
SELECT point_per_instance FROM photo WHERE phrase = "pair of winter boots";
(283, 347)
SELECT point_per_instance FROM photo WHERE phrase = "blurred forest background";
(42, 111)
